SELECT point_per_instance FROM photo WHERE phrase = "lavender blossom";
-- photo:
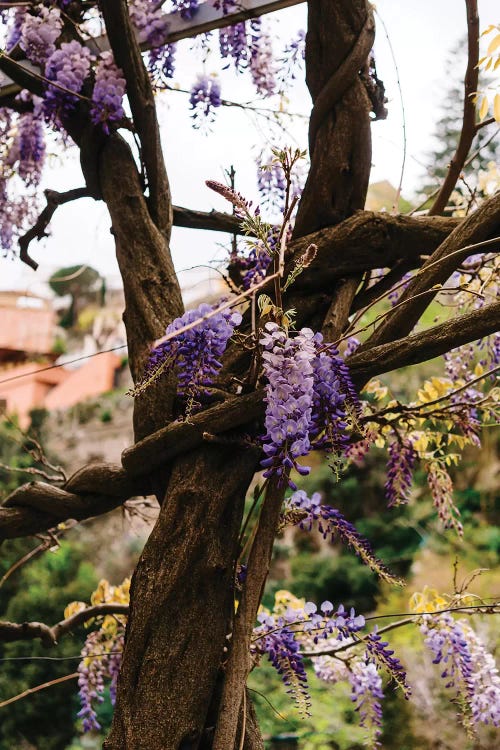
(441, 488)
(367, 694)
(186, 8)
(68, 66)
(39, 33)
(289, 397)
(292, 59)
(91, 674)
(380, 653)
(262, 64)
(149, 21)
(468, 667)
(332, 524)
(402, 458)
(161, 63)
(195, 352)
(271, 183)
(279, 637)
(108, 92)
(225, 5)
(204, 98)
(31, 146)
(255, 265)
(14, 29)
(395, 294)
(233, 44)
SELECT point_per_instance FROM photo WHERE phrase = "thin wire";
(403, 113)
(79, 657)
(63, 364)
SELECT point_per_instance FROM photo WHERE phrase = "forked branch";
(38, 231)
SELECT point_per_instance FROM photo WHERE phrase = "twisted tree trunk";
(171, 692)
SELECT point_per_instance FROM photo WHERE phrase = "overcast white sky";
(422, 35)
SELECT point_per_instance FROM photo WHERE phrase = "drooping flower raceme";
(468, 667)
(108, 92)
(187, 8)
(195, 352)
(233, 44)
(402, 458)
(204, 98)
(68, 66)
(161, 63)
(288, 366)
(308, 386)
(38, 34)
(280, 636)
(367, 694)
(150, 22)
(31, 143)
(262, 63)
(331, 524)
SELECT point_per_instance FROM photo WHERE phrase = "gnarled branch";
(50, 635)
(478, 227)
(54, 199)
(99, 488)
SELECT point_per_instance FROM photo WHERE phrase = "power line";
(62, 364)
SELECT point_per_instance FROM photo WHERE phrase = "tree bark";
(182, 605)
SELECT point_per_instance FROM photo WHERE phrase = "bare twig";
(49, 636)
(469, 116)
(44, 685)
(54, 199)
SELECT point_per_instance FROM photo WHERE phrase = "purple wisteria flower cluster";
(279, 637)
(307, 393)
(402, 457)
(100, 662)
(233, 45)
(109, 89)
(31, 142)
(161, 64)
(366, 687)
(380, 652)
(194, 352)
(263, 68)
(39, 33)
(150, 22)
(367, 694)
(186, 8)
(68, 67)
(332, 524)
(288, 366)
(204, 99)
(225, 5)
(468, 667)
(441, 488)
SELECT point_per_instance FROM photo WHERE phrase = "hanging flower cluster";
(204, 99)
(38, 34)
(68, 67)
(279, 637)
(309, 389)
(186, 8)
(108, 92)
(194, 352)
(101, 653)
(332, 524)
(149, 21)
(402, 458)
(468, 667)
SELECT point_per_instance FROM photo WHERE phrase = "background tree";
(182, 683)
(82, 283)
